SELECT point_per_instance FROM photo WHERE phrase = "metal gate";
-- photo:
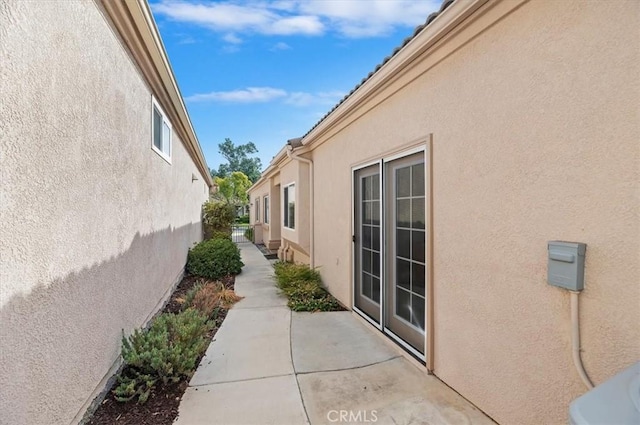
(242, 233)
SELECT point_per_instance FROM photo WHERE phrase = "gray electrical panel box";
(566, 265)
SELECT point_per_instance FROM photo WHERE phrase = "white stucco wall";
(94, 225)
(535, 125)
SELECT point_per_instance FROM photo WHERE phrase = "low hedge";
(214, 259)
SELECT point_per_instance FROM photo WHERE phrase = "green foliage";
(217, 234)
(214, 259)
(232, 189)
(243, 219)
(238, 160)
(217, 218)
(248, 233)
(166, 352)
(303, 286)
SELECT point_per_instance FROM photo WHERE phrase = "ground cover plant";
(303, 287)
(160, 360)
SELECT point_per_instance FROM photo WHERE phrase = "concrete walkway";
(267, 365)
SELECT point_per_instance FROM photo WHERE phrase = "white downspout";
(575, 338)
(296, 157)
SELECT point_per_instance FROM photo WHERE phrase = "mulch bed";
(162, 406)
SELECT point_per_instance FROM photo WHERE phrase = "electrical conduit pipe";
(575, 338)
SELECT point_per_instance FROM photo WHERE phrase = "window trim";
(265, 208)
(155, 106)
(257, 210)
(285, 221)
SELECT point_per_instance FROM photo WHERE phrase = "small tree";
(238, 159)
(217, 218)
(232, 190)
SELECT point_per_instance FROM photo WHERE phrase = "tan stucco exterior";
(94, 225)
(533, 112)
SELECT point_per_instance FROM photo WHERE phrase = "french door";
(390, 262)
(368, 242)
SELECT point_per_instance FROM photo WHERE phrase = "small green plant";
(214, 259)
(248, 233)
(166, 352)
(303, 287)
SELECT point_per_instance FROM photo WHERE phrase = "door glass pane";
(366, 260)
(417, 278)
(366, 213)
(403, 304)
(417, 180)
(375, 264)
(375, 212)
(366, 188)
(417, 213)
(403, 273)
(375, 290)
(417, 245)
(403, 243)
(366, 285)
(375, 186)
(366, 236)
(375, 238)
(403, 182)
(403, 212)
(417, 310)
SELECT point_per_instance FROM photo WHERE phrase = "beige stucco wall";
(94, 226)
(535, 125)
(293, 171)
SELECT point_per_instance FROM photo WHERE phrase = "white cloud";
(280, 46)
(350, 18)
(232, 38)
(242, 17)
(248, 95)
(321, 98)
(268, 94)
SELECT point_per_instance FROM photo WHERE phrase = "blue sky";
(267, 71)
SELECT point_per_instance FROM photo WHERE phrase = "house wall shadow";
(59, 341)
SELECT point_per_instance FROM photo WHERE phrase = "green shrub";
(217, 217)
(166, 352)
(248, 233)
(303, 287)
(220, 234)
(214, 259)
(242, 219)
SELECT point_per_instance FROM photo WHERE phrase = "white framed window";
(161, 131)
(257, 202)
(265, 202)
(289, 197)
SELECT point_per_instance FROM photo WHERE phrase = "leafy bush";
(167, 351)
(303, 287)
(248, 233)
(217, 217)
(219, 234)
(242, 219)
(214, 259)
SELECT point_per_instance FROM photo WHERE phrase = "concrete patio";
(268, 365)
